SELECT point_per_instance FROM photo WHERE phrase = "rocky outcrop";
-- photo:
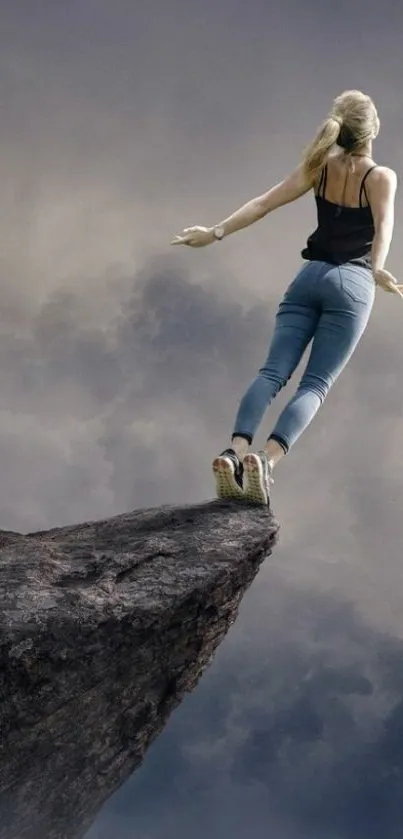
(104, 627)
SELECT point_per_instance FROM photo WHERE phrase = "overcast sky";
(123, 360)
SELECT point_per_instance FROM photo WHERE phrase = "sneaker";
(228, 475)
(258, 478)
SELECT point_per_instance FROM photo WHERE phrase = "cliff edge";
(104, 627)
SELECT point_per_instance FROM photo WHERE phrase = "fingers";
(394, 288)
(388, 283)
(181, 240)
(184, 237)
(190, 236)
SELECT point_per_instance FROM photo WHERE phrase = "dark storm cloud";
(127, 396)
(121, 123)
(312, 748)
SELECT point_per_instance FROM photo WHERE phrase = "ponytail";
(317, 150)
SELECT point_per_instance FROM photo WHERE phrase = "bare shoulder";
(381, 194)
(384, 175)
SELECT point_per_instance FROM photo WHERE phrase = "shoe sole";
(254, 484)
(224, 475)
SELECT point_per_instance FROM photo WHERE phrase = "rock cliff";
(104, 627)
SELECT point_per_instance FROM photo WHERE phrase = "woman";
(330, 299)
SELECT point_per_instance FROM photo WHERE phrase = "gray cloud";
(311, 748)
(122, 365)
(123, 407)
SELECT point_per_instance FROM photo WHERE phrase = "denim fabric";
(330, 304)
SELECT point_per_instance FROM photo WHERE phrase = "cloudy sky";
(123, 360)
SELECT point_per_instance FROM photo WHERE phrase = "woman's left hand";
(388, 282)
(195, 237)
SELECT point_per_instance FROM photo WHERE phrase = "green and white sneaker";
(228, 473)
(257, 478)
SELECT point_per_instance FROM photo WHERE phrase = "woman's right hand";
(387, 281)
(195, 237)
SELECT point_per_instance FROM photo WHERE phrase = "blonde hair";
(352, 122)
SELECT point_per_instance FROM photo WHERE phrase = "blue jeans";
(327, 303)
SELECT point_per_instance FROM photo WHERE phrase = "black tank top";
(343, 234)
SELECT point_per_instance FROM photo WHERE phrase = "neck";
(364, 151)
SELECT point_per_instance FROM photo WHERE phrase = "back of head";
(352, 122)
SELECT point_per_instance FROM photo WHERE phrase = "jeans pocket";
(357, 284)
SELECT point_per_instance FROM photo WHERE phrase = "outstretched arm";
(381, 192)
(283, 193)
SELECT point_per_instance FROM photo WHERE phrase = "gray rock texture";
(104, 627)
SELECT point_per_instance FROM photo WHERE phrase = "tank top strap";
(322, 182)
(362, 187)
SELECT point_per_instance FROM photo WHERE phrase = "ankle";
(274, 452)
(240, 446)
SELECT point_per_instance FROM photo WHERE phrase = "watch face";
(218, 232)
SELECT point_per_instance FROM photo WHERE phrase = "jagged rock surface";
(104, 627)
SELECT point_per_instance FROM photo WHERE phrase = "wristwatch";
(218, 232)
